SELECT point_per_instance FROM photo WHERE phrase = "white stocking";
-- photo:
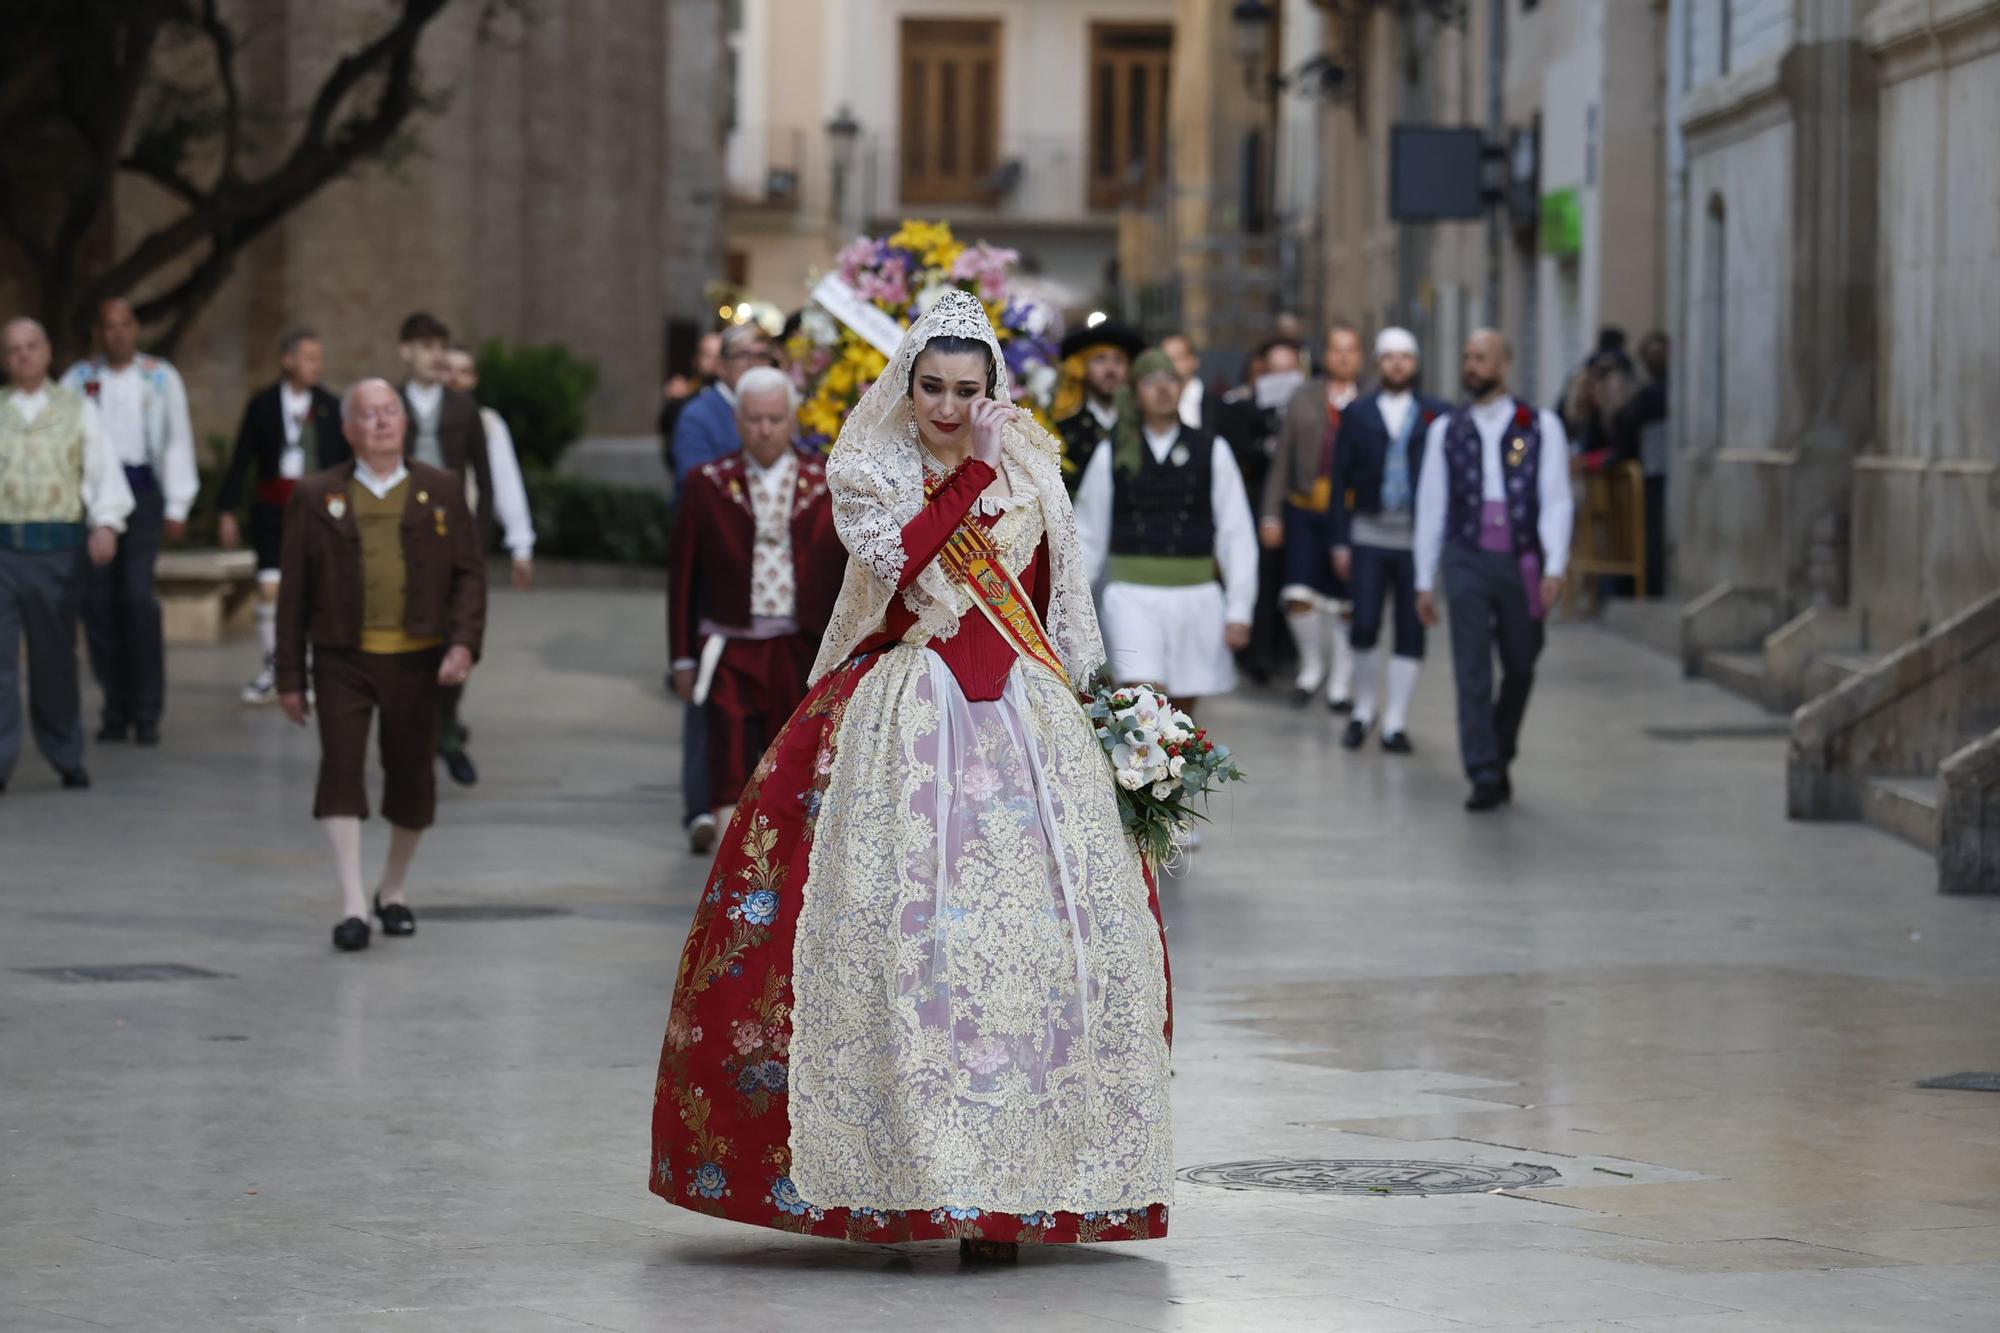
(1309, 632)
(402, 847)
(1402, 688)
(1367, 667)
(1340, 683)
(267, 628)
(343, 832)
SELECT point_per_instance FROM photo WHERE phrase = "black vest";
(1166, 508)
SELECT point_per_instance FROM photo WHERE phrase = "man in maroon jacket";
(756, 566)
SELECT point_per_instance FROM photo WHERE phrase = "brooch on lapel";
(423, 497)
(438, 514)
(336, 505)
(1178, 456)
(1517, 449)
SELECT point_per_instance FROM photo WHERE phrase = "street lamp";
(1251, 22)
(843, 136)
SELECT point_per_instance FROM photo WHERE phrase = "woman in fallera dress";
(925, 995)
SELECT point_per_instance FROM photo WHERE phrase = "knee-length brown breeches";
(402, 688)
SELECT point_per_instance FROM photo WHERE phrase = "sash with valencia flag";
(974, 563)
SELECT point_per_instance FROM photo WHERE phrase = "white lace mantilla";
(979, 989)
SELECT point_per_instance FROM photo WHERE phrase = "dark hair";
(422, 327)
(290, 342)
(1270, 345)
(1611, 338)
(949, 344)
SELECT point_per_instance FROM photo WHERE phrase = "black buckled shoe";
(1340, 707)
(1356, 733)
(113, 733)
(146, 733)
(76, 779)
(351, 935)
(1485, 796)
(1397, 742)
(396, 918)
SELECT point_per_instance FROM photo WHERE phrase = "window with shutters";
(951, 110)
(1129, 65)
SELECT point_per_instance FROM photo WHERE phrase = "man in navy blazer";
(706, 429)
(1372, 522)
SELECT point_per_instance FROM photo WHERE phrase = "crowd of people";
(369, 515)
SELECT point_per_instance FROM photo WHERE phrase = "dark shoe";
(1485, 796)
(1356, 733)
(76, 779)
(146, 733)
(459, 764)
(702, 831)
(1340, 706)
(1397, 742)
(112, 732)
(351, 935)
(1506, 788)
(1300, 698)
(396, 918)
(988, 1251)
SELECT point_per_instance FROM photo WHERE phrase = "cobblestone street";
(1676, 1038)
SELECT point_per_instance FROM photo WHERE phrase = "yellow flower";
(931, 242)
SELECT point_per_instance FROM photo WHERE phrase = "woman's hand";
(990, 419)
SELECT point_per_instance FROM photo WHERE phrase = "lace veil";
(876, 475)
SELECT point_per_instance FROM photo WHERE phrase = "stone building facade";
(567, 189)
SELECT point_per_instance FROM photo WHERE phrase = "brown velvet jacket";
(319, 596)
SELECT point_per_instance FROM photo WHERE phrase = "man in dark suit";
(289, 429)
(1377, 458)
(756, 566)
(1099, 355)
(443, 430)
(384, 576)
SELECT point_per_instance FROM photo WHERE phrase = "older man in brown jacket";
(383, 574)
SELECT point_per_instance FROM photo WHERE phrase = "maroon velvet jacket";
(709, 556)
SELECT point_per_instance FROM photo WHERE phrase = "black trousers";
(121, 617)
(1488, 608)
(1378, 574)
(40, 594)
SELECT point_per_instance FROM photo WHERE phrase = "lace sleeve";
(865, 513)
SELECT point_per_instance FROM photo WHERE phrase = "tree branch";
(223, 39)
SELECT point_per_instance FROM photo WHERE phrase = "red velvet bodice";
(978, 656)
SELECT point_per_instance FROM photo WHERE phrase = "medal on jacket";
(336, 505)
(1178, 456)
(1517, 449)
(438, 513)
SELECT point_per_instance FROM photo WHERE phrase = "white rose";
(1175, 765)
(1162, 790)
(1130, 778)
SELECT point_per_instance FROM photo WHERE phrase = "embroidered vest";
(41, 464)
(1165, 508)
(772, 590)
(1520, 467)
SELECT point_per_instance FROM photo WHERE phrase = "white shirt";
(294, 407)
(379, 486)
(144, 417)
(1107, 417)
(424, 398)
(1558, 509)
(1395, 409)
(1192, 394)
(107, 498)
(1229, 508)
(510, 493)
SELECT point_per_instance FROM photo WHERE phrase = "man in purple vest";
(1494, 514)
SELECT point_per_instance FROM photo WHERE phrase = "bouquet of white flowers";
(1162, 762)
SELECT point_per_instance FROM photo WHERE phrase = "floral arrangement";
(902, 275)
(1162, 762)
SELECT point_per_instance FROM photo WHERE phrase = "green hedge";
(580, 519)
(543, 390)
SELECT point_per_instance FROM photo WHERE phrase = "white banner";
(838, 299)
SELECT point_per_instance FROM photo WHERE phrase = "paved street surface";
(1699, 1028)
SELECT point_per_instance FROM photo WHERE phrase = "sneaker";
(264, 689)
(701, 834)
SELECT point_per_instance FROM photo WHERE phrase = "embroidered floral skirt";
(925, 995)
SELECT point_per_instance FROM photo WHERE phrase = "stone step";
(1829, 671)
(1904, 806)
(1655, 624)
(1739, 672)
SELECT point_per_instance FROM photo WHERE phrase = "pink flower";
(981, 783)
(986, 1056)
(746, 1036)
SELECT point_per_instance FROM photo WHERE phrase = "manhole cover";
(1741, 731)
(125, 972)
(1369, 1176)
(489, 912)
(1964, 1082)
